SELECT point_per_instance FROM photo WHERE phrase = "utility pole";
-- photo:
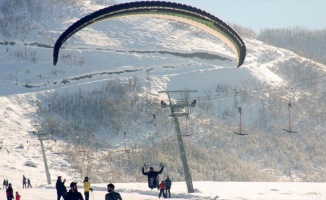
(178, 110)
(41, 137)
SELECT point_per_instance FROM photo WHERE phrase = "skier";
(162, 188)
(24, 181)
(112, 195)
(61, 188)
(168, 184)
(4, 183)
(17, 196)
(152, 176)
(73, 193)
(87, 188)
(10, 192)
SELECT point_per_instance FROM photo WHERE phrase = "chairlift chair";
(187, 134)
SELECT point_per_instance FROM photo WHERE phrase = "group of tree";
(96, 121)
(303, 41)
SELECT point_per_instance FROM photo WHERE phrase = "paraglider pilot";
(152, 176)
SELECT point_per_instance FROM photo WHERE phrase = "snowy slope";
(116, 46)
(121, 49)
(203, 190)
(20, 147)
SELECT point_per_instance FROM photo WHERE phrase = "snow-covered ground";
(22, 146)
(19, 146)
(203, 190)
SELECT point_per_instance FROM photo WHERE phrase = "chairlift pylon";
(240, 125)
(289, 124)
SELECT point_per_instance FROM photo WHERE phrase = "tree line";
(117, 130)
(302, 41)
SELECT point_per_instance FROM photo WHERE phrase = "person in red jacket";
(17, 196)
(162, 189)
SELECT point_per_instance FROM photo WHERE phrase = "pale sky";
(259, 14)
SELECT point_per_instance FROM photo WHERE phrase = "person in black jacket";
(61, 188)
(112, 195)
(73, 193)
(24, 181)
(152, 176)
(10, 192)
(29, 183)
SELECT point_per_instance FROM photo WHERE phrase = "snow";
(203, 190)
(20, 149)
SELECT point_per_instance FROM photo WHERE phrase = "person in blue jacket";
(168, 184)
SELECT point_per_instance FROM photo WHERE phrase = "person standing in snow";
(162, 189)
(4, 183)
(61, 188)
(87, 188)
(17, 196)
(29, 183)
(112, 195)
(24, 181)
(73, 193)
(168, 184)
(10, 192)
(152, 176)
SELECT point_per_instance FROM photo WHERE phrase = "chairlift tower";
(148, 85)
(177, 110)
(289, 106)
(289, 123)
(43, 136)
(240, 124)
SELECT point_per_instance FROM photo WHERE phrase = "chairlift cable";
(262, 90)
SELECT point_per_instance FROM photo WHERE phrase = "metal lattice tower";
(178, 110)
(42, 136)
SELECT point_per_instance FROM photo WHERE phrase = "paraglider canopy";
(169, 10)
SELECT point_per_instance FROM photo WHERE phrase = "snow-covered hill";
(119, 48)
(177, 56)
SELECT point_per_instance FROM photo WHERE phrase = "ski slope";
(203, 190)
(122, 49)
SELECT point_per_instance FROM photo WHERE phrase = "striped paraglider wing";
(169, 10)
